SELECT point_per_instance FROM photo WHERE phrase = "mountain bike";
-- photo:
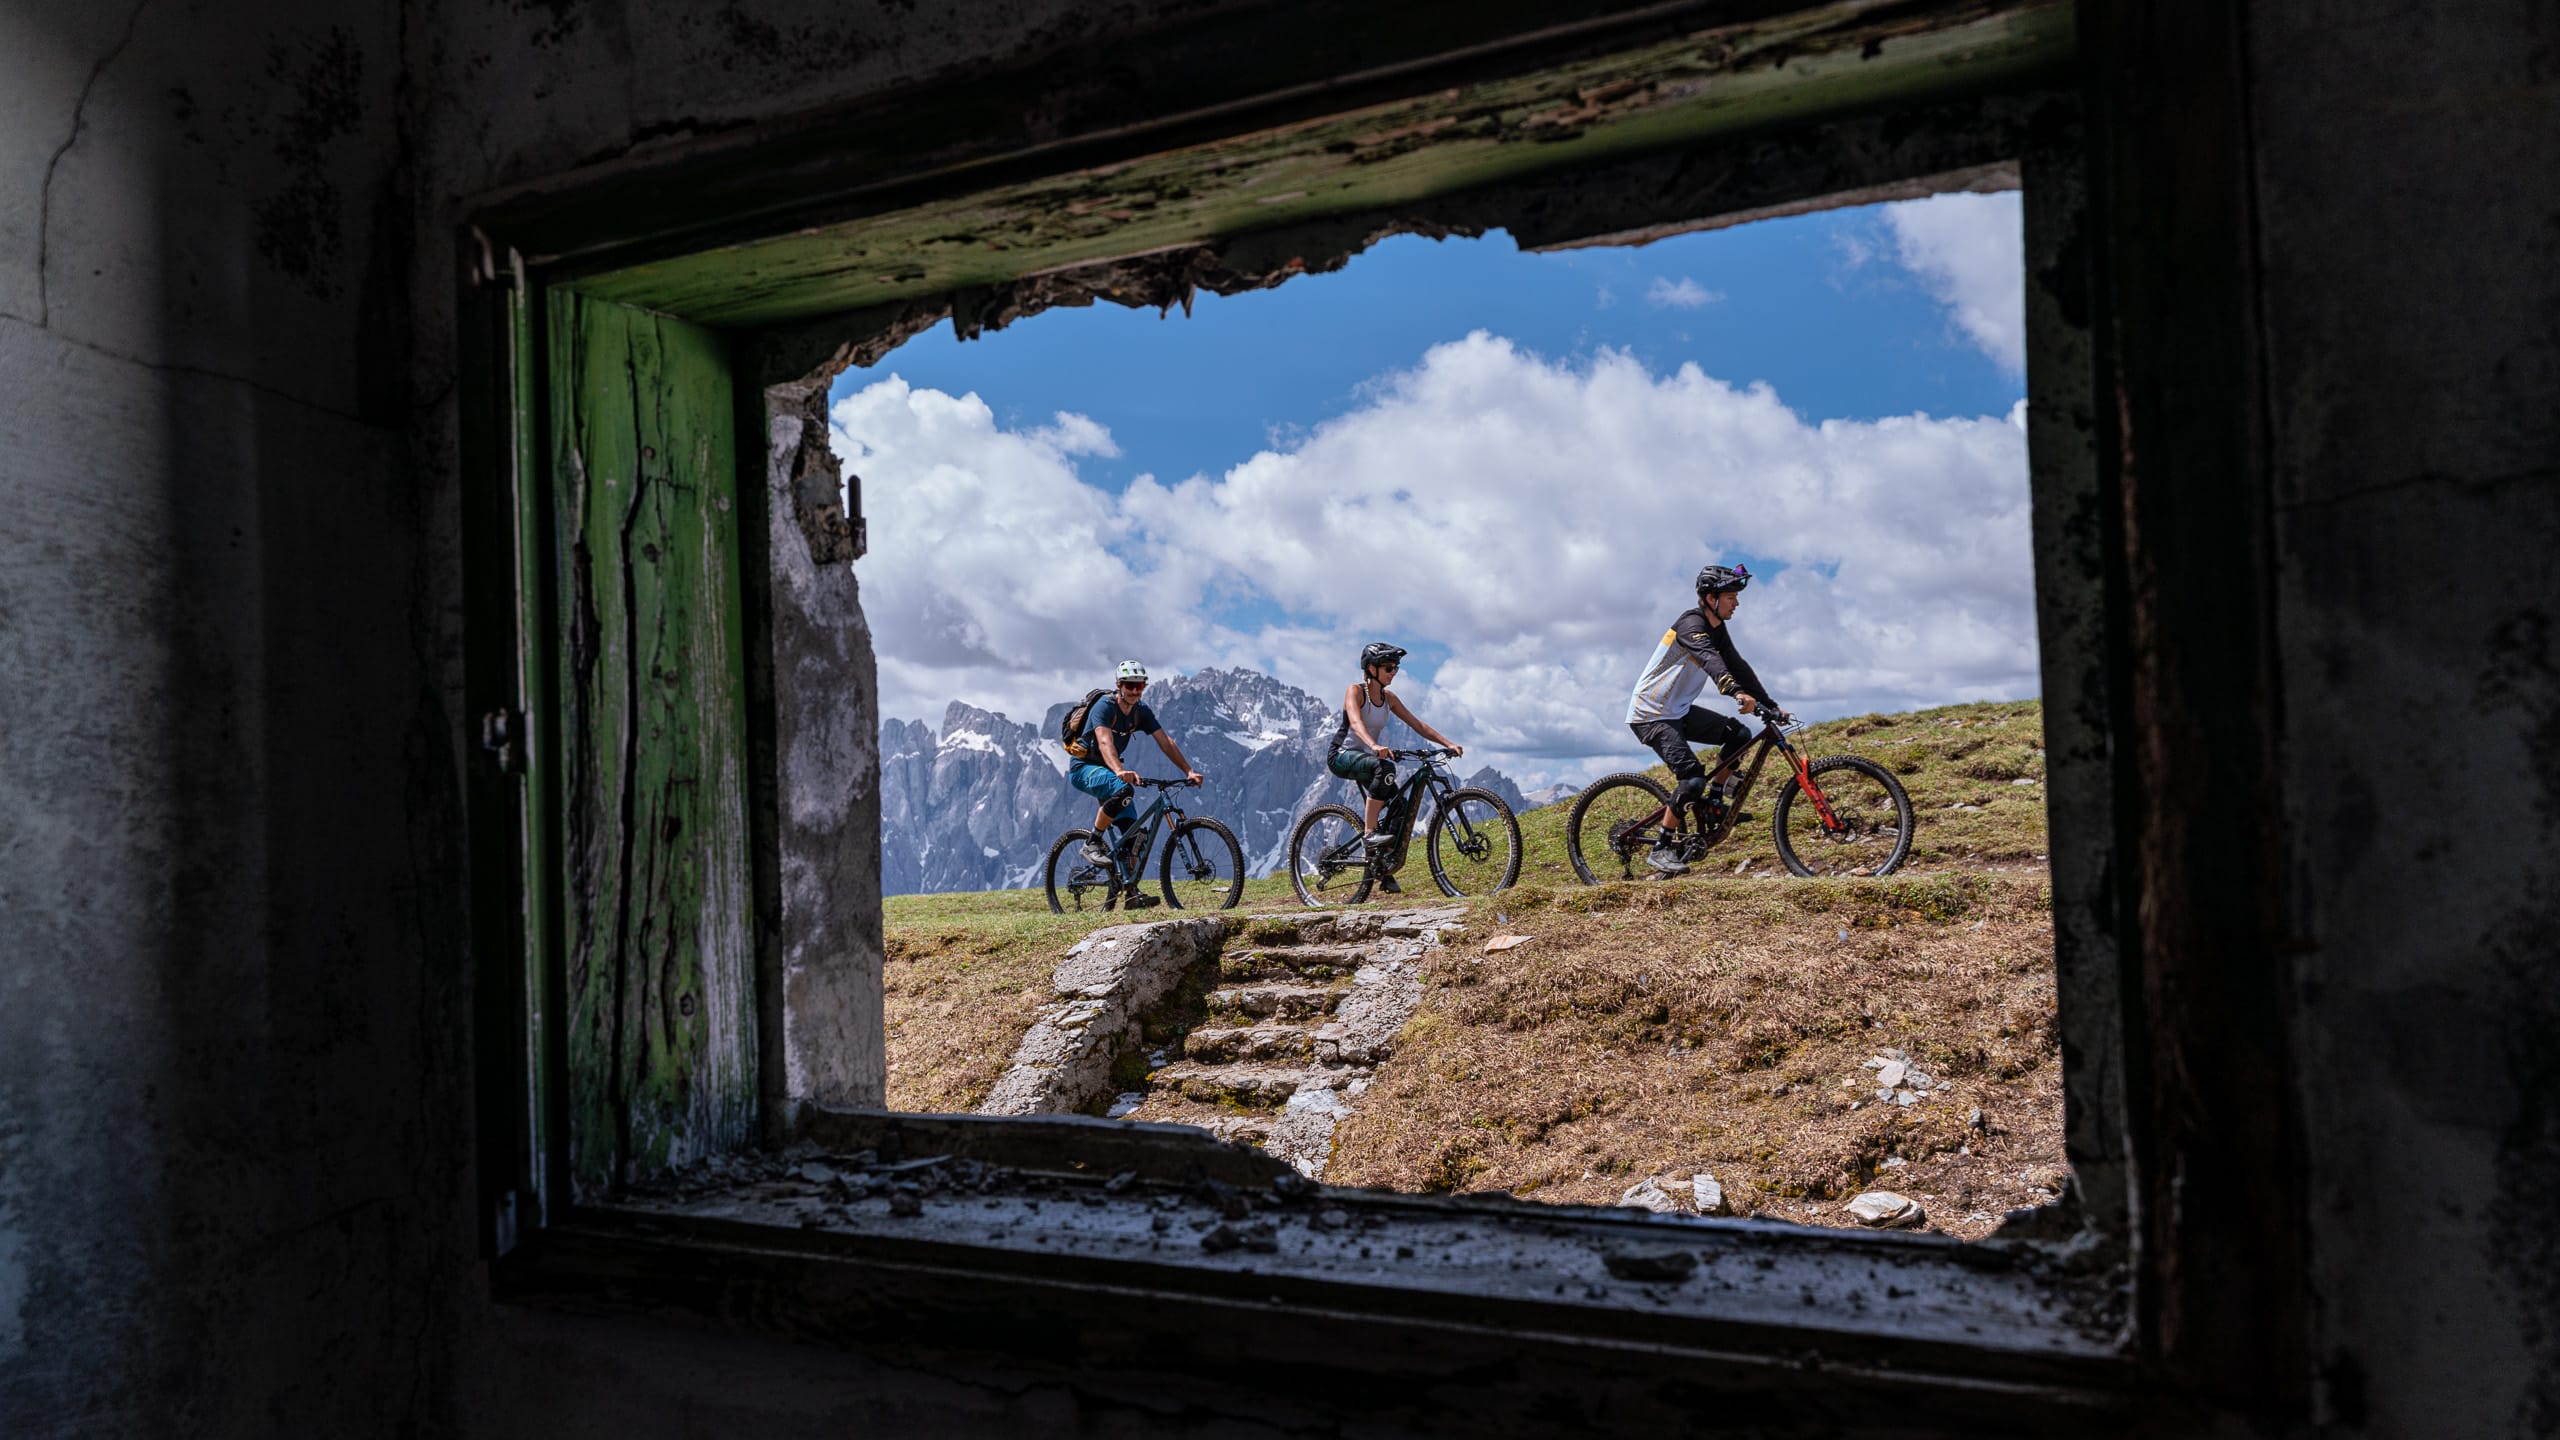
(1473, 840)
(1840, 815)
(1202, 869)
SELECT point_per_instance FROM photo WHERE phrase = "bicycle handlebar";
(1146, 782)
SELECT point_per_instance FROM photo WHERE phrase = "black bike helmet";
(1379, 652)
(1717, 580)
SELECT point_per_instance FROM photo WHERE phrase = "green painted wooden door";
(657, 924)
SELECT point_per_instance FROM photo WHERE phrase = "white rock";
(1500, 943)
(1884, 1210)
(2022, 782)
(1648, 1194)
(1709, 1196)
(1892, 1073)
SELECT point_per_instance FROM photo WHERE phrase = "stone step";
(1261, 1086)
(1167, 1107)
(1307, 962)
(1275, 1001)
(1215, 1044)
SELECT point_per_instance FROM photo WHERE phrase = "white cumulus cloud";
(1968, 250)
(992, 576)
(1540, 520)
(1681, 294)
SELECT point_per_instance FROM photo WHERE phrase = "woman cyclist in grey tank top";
(1359, 752)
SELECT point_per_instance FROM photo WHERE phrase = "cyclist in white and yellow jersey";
(1695, 650)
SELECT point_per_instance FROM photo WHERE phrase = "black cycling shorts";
(1370, 773)
(1671, 739)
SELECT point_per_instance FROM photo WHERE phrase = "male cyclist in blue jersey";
(1098, 769)
(1695, 650)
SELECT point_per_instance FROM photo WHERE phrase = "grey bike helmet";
(1718, 580)
(1379, 652)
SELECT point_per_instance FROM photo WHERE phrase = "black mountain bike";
(1840, 815)
(1473, 840)
(1202, 869)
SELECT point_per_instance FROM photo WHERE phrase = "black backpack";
(1071, 729)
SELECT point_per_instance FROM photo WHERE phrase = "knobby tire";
(1062, 852)
(1348, 885)
(1217, 845)
(1582, 849)
(1507, 834)
(1896, 811)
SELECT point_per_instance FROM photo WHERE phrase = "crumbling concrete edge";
(1104, 985)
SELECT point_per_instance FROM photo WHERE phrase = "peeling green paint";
(660, 969)
(1728, 81)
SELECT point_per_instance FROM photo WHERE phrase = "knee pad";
(1691, 791)
(1382, 781)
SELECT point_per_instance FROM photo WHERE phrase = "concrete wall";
(235, 1168)
(2408, 186)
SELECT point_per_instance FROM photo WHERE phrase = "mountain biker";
(1695, 650)
(1358, 755)
(1099, 769)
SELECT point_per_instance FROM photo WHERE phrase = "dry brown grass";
(1711, 1025)
(959, 993)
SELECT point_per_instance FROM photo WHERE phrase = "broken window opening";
(1271, 1028)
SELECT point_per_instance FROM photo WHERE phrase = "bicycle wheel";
(1075, 884)
(1326, 863)
(1873, 833)
(1474, 847)
(1203, 867)
(1613, 823)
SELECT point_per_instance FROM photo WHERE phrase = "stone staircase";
(1304, 1011)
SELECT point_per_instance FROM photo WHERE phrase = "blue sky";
(1507, 462)
(1802, 303)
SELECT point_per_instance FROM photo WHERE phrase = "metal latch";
(502, 735)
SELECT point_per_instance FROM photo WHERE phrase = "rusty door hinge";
(502, 735)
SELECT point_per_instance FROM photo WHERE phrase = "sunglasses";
(1133, 684)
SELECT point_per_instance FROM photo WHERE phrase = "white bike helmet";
(1132, 670)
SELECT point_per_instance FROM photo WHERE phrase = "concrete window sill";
(905, 1231)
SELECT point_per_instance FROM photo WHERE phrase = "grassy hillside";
(1721, 1024)
(1659, 1026)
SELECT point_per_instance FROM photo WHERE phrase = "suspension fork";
(1812, 792)
(1443, 811)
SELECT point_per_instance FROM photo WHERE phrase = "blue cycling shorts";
(1099, 782)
